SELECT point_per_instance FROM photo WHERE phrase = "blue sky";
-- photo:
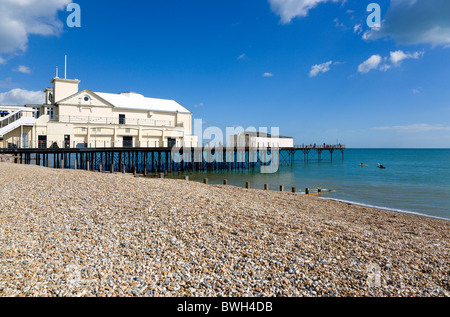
(311, 67)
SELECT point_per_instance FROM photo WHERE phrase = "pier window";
(51, 112)
(37, 114)
(122, 119)
(25, 140)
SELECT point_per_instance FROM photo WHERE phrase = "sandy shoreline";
(78, 233)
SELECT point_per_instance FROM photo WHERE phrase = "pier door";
(67, 141)
(171, 142)
(127, 141)
(42, 141)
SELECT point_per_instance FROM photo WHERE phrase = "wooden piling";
(186, 178)
(294, 190)
(281, 188)
(225, 181)
(307, 191)
(266, 186)
(247, 185)
(206, 181)
(161, 175)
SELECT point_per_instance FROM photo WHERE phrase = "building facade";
(261, 140)
(78, 119)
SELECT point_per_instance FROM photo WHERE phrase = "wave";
(387, 209)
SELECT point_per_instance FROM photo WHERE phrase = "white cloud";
(385, 67)
(320, 68)
(415, 22)
(267, 75)
(2, 61)
(290, 9)
(398, 56)
(372, 63)
(339, 24)
(357, 29)
(420, 127)
(23, 69)
(242, 56)
(21, 97)
(21, 18)
(201, 104)
(416, 91)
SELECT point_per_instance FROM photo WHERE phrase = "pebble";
(77, 233)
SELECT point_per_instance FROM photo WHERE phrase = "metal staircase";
(15, 120)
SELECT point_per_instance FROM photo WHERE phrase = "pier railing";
(116, 121)
(320, 147)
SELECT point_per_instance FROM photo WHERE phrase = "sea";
(415, 181)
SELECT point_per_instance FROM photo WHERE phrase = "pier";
(154, 160)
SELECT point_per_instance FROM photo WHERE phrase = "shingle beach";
(78, 233)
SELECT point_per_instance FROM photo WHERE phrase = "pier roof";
(135, 101)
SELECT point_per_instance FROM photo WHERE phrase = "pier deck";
(152, 160)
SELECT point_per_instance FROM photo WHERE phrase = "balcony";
(117, 121)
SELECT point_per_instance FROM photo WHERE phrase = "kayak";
(363, 165)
